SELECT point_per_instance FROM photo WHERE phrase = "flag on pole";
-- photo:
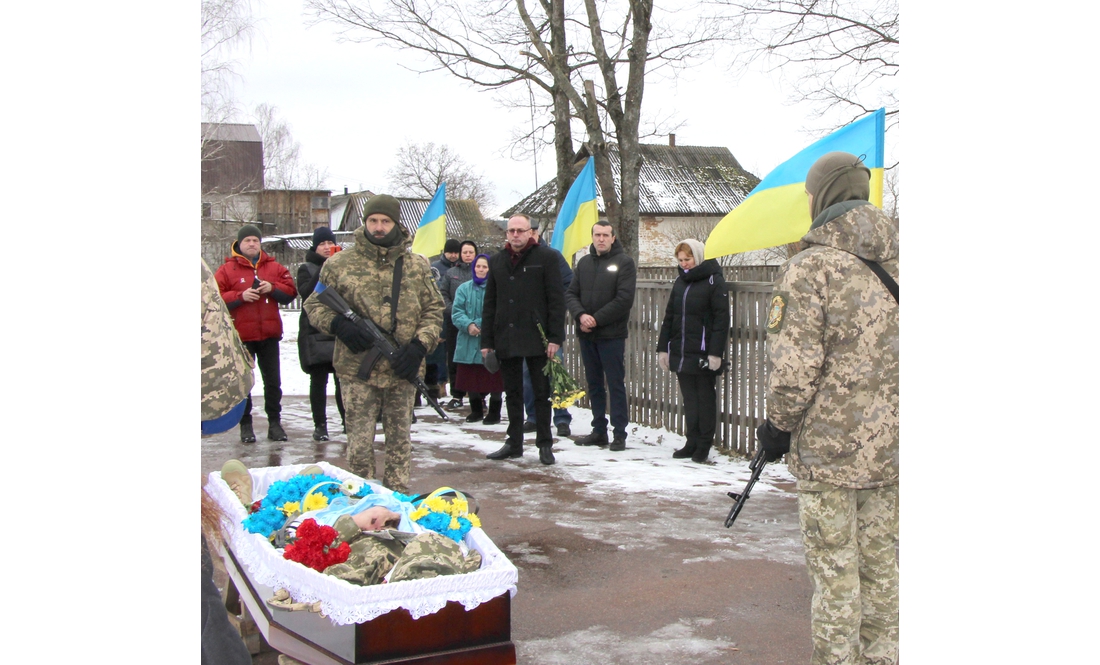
(578, 214)
(777, 210)
(431, 233)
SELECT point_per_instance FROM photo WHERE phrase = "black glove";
(353, 337)
(775, 442)
(406, 362)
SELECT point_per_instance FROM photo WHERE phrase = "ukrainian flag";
(578, 214)
(777, 210)
(431, 233)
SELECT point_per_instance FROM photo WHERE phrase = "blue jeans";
(605, 358)
(561, 416)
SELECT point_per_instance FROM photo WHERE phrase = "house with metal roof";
(464, 219)
(684, 191)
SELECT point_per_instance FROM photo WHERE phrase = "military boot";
(247, 435)
(236, 475)
(320, 432)
(275, 431)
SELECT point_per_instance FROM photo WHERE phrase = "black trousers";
(266, 353)
(512, 369)
(318, 400)
(700, 408)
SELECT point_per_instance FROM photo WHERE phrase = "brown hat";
(382, 204)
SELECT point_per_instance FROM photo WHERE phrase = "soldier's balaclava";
(837, 177)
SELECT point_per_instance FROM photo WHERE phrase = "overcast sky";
(351, 106)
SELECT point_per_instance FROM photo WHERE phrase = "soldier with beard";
(380, 278)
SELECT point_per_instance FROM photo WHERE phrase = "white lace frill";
(346, 603)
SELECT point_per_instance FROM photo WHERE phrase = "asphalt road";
(603, 578)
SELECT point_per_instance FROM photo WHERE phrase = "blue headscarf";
(480, 281)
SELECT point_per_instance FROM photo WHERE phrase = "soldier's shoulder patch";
(777, 311)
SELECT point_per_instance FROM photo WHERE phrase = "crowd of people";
(832, 400)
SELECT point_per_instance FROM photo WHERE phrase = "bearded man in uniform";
(379, 277)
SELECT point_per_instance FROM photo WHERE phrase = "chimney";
(345, 189)
(672, 140)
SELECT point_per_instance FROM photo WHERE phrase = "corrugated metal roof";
(674, 180)
(228, 131)
(305, 240)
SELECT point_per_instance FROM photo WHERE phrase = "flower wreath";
(288, 498)
(450, 517)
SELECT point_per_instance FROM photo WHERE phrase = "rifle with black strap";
(384, 344)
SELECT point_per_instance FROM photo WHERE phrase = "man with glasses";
(523, 292)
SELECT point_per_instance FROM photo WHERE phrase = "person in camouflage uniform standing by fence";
(833, 409)
(365, 276)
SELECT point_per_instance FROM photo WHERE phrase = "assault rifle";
(756, 465)
(384, 345)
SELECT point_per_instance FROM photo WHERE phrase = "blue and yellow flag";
(431, 233)
(777, 210)
(578, 214)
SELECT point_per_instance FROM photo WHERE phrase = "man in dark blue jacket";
(600, 298)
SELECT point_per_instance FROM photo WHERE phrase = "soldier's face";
(379, 225)
(250, 247)
(451, 256)
(602, 237)
(687, 260)
(482, 268)
(468, 253)
(325, 248)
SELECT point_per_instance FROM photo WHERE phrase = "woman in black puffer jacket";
(315, 348)
(693, 343)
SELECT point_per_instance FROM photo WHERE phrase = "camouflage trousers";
(851, 540)
(364, 405)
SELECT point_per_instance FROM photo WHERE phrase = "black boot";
(320, 432)
(546, 456)
(593, 439)
(686, 451)
(247, 435)
(493, 415)
(275, 431)
(701, 452)
(507, 451)
(477, 410)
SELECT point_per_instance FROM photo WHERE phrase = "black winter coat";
(315, 348)
(519, 297)
(603, 287)
(697, 319)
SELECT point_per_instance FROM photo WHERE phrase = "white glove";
(662, 360)
(715, 362)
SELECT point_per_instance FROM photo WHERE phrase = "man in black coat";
(600, 298)
(524, 291)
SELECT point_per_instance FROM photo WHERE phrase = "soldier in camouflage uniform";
(833, 408)
(409, 556)
(365, 275)
(226, 365)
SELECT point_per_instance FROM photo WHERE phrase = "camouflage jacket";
(363, 275)
(226, 364)
(833, 352)
(402, 556)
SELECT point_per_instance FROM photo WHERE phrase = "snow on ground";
(293, 380)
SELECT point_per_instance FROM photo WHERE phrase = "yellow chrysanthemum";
(290, 507)
(459, 507)
(316, 501)
(474, 520)
(436, 504)
(454, 523)
(421, 511)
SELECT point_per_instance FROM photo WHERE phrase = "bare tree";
(842, 54)
(225, 25)
(422, 167)
(499, 43)
(283, 168)
(891, 195)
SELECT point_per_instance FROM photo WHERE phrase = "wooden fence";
(654, 397)
(732, 273)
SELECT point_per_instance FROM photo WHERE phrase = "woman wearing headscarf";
(471, 373)
(315, 348)
(693, 342)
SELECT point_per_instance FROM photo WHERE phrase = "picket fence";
(652, 393)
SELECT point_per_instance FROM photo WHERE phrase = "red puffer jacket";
(257, 320)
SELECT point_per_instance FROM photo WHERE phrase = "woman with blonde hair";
(693, 342)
